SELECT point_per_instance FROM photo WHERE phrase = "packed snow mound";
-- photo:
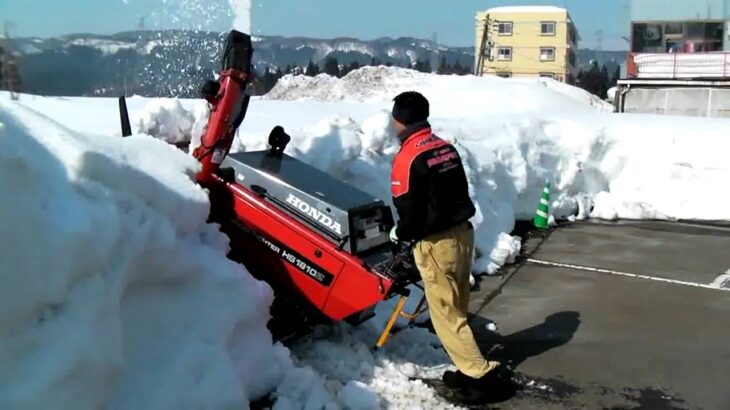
(337, 368)
(463, 94)
(606, 166)
(128, 301)
(167, 120)
(366, 83)
(599, 165)
(114, 291)
(578, 94)
(611, 166)
(611, 93)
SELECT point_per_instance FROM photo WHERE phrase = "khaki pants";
(444, 261)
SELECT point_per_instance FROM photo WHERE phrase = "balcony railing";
(714, 65)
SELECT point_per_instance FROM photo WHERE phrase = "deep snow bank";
(338, 369)
(127, 300)
(114, 291)
(516, 135)
(600, 165)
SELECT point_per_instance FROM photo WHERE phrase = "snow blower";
(322, 245)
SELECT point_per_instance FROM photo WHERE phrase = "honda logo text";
(313, 212)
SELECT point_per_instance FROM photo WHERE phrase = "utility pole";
(10, 75)
(481, 52)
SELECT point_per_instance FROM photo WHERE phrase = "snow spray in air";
(241, 15)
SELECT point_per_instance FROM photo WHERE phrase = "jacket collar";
(412, 130)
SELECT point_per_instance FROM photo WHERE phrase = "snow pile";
(167, 120)
(107, 47)
(128, 301)
(600, 165)
(300, 87)
(514, 135)
(356, 395)
(518, 135)
(671, 168)
(338, 369)
(460, 95)
(114, 291)
(578, 94)
(611, 94)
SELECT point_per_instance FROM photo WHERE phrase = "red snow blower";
(322, 245)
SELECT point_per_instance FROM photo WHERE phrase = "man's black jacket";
(429, 186)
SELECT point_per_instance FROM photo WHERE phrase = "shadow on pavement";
(513, 349)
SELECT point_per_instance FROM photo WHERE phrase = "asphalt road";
(619, 315)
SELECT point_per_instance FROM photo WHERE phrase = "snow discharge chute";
(229, 101)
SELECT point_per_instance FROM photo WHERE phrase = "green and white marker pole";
(541, 216)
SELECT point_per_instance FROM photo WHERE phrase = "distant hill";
(174, 63)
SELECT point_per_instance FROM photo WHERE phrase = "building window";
(547, 75)
(504, 74)
(677, 37)
(674, 28)
(547, 28)
(504, 53)
(547, 53)
(505, 28)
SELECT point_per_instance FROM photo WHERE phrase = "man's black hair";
(410, 108)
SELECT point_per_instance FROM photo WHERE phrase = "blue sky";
(452, 20)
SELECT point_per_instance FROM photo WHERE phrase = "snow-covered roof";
(527, 9)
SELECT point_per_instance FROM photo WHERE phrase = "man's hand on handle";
(393, 236)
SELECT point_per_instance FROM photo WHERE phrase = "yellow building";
(526, 41)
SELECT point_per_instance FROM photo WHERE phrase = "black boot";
(453, 380)
(495, 386)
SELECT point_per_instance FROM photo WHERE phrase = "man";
(430, 193)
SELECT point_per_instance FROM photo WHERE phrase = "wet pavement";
(613, 315)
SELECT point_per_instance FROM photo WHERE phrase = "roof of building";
(527, 9)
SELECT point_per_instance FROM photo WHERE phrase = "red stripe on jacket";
(415, 145)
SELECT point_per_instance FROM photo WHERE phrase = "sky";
(451, 20)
